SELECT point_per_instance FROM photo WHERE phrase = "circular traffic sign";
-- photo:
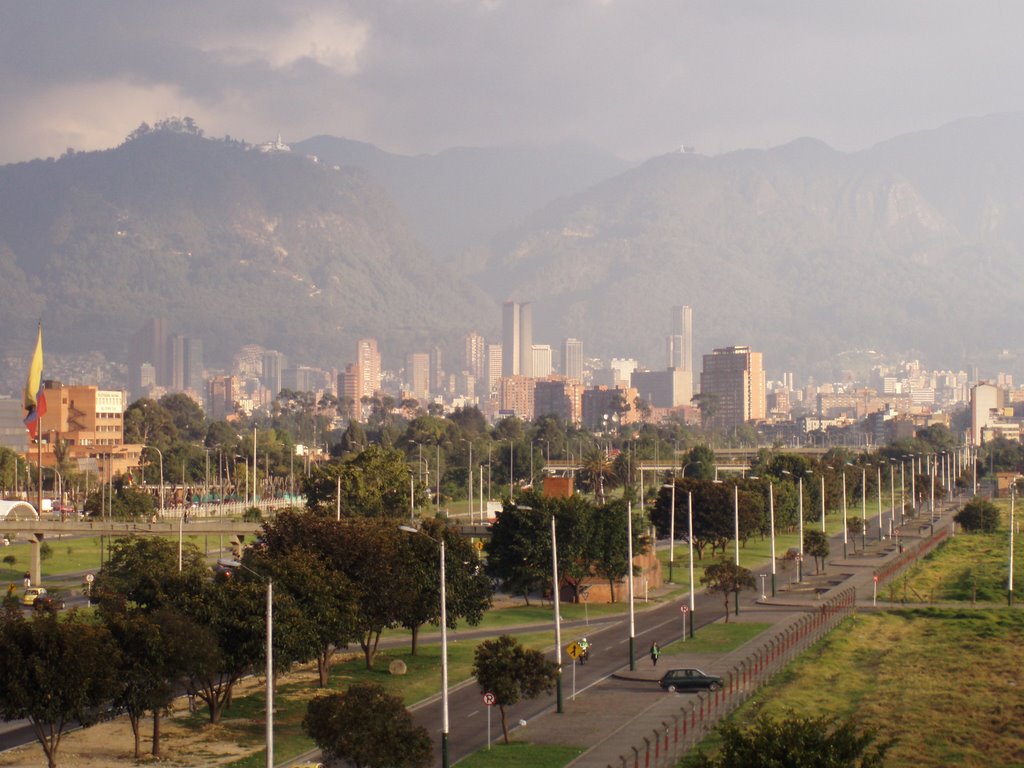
(489, 699)
(875, 578)
(684, 609)
(89, 577)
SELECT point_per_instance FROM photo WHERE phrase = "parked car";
(32, 594)
(689, 680)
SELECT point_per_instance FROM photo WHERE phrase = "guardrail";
(668, 743)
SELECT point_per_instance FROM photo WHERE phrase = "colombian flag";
(35, 401)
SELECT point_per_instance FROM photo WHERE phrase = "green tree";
(979, 515)
(797, 742)
(54, 672)
(727, 578)
(515, 553)
(154, 647)
(816, 545)
(186, 415)
(467, 589)
(511, 672)
(143, 572)
(368, 728)
(291, 549)
(374, 483)
(149, 423)
(611, 542)
(597, 473)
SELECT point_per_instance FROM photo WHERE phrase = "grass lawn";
(968, 568)
(519, 754)
(718, 638)
(898, 672)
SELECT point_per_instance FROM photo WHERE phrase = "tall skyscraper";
(437, 377)
(733, 382)
(274, 364)
(516, 339)
(680, 342)
(476, 351)
(526, 340)
(540, 361)
(417, 376)
(572, 359)
(368, 367)
(149, 345)
(495, 368)
(185, 363)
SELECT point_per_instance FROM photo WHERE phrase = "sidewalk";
(617, 719)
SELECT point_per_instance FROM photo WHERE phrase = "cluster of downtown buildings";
(514, 376)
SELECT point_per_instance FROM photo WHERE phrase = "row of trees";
(158, 628)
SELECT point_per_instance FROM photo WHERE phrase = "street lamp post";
(270, 663)
(672, 533)
(823, 501)
(1009, 580)
(864, 509)
(629, 572)
(771, 525)
(880, 536)
(800, 533)
(558, 618)
(845, 532)
(689, 514)
(444, 644)
(736, 533)
(511, 470)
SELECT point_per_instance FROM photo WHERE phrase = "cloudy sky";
(633, 77)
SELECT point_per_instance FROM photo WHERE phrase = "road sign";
(875, 578)
(575, 650)
(489, 699)
(684, 608)
(89, 578)
(478, 544)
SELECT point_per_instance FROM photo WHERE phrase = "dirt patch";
(111, 743)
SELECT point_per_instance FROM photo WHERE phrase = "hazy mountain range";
(915, 245)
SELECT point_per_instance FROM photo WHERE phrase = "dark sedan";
(689, 680)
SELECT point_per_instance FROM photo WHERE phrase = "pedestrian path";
(628, 720)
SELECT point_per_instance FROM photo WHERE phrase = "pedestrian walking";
(28, 579)
(655, 653)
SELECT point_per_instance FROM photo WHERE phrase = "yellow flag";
(35, 374)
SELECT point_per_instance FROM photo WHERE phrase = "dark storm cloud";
(636, 78)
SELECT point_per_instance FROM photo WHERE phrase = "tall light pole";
(845, 532)
(823, 501)
(270, 663)
(437, 497)
(689, 512)
(800, 533)
(672, 531)
(880, 536)
(511, 470)
(444, 644)
(558, 618)
(771, 523)
(864, 508)
(161, 455)
(1009, 579)
(629, 574)
(736, 531)
(469, 477)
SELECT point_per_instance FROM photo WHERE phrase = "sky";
(635, 78)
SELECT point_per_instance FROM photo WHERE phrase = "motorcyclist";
(585, 645)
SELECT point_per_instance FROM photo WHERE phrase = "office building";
(572, 359)
(733, 383)
(273, 367)
(476, 354)
(559, 397)
(417, 376)
(515, 395)
(516, 339)
(680, 342)
(149, 345)
(186, 364)
(438, 381)
(495, 366)
(540, 355)
(664, 389)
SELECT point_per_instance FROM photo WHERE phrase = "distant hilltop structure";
(274, 146)
(687, 149)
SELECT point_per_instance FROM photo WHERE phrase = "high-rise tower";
(680, 342)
